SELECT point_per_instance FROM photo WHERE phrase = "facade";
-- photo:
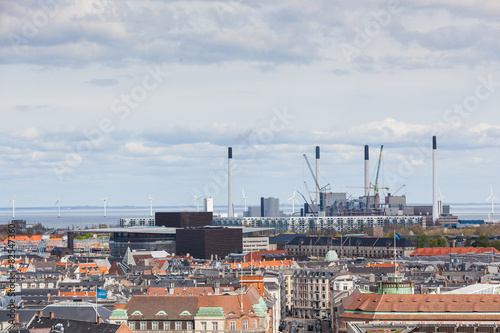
(183, 219)
(140, 238)
(209, 242)
(300, 224)
(269, 207)
(352, 247)
(311, 292)
(208, 204)
(137, 221)
(251, 244)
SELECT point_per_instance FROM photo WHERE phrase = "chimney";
(40, 314)
(217, 288)
(230, 208)
(51, 315)
(367, 170)
(435, 208)
(99, 320)
(71, 237)
(16, 318)
(318, 194)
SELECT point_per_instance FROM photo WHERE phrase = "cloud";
(103, 82)
(27, 134)
(30, 107)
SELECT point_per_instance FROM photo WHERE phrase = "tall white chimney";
(318, 194)
(435, 207)
(230, 211)
(367, 171)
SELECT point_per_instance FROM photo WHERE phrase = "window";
(203, 326)
(214, 326)
(144, 325)
(232, 325)
(166, 326)
(189, 326)
(131, 325)
(154, 325)
(255, 323)
(178, 325)
(245, 324)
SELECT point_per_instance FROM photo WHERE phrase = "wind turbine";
(492, 198)
(58, 204)
(293, 201)
(105, 200)
(13, 207)
(150, 206)
(197, 202)
(244, 199)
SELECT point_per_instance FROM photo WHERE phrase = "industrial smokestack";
(318, 194)
(367, 171)
(230, 211)
(435, 207)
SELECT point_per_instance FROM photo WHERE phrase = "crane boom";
(375, 188)
(312, 172)
(310, 198)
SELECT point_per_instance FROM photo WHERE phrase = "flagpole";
(96, 304)
(394, 254)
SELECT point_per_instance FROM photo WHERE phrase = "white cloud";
(26, 134)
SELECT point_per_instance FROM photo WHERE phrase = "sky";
(123, 99)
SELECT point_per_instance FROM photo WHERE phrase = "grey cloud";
(103, 82)
(30, 107)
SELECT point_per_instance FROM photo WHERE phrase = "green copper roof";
(119, 313)
(210, 312)
(331, 255)
(260, 307)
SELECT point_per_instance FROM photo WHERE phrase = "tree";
(468, 242)
(482, 241)
(495, 244)
(421, 240)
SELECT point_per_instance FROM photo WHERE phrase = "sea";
(91, 217)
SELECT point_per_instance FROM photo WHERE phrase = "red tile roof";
(436, 251)
(421, 307)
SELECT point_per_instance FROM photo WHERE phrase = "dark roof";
(177, 283)
(350, 241)
(25, 315)
(73, 326)
(283, 238)
(80, 311)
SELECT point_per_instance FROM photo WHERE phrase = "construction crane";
(303, 197)
(392, 194)
(398, 189)
(310, 198)
(319, 189)
(375, 187)
(343, 205)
